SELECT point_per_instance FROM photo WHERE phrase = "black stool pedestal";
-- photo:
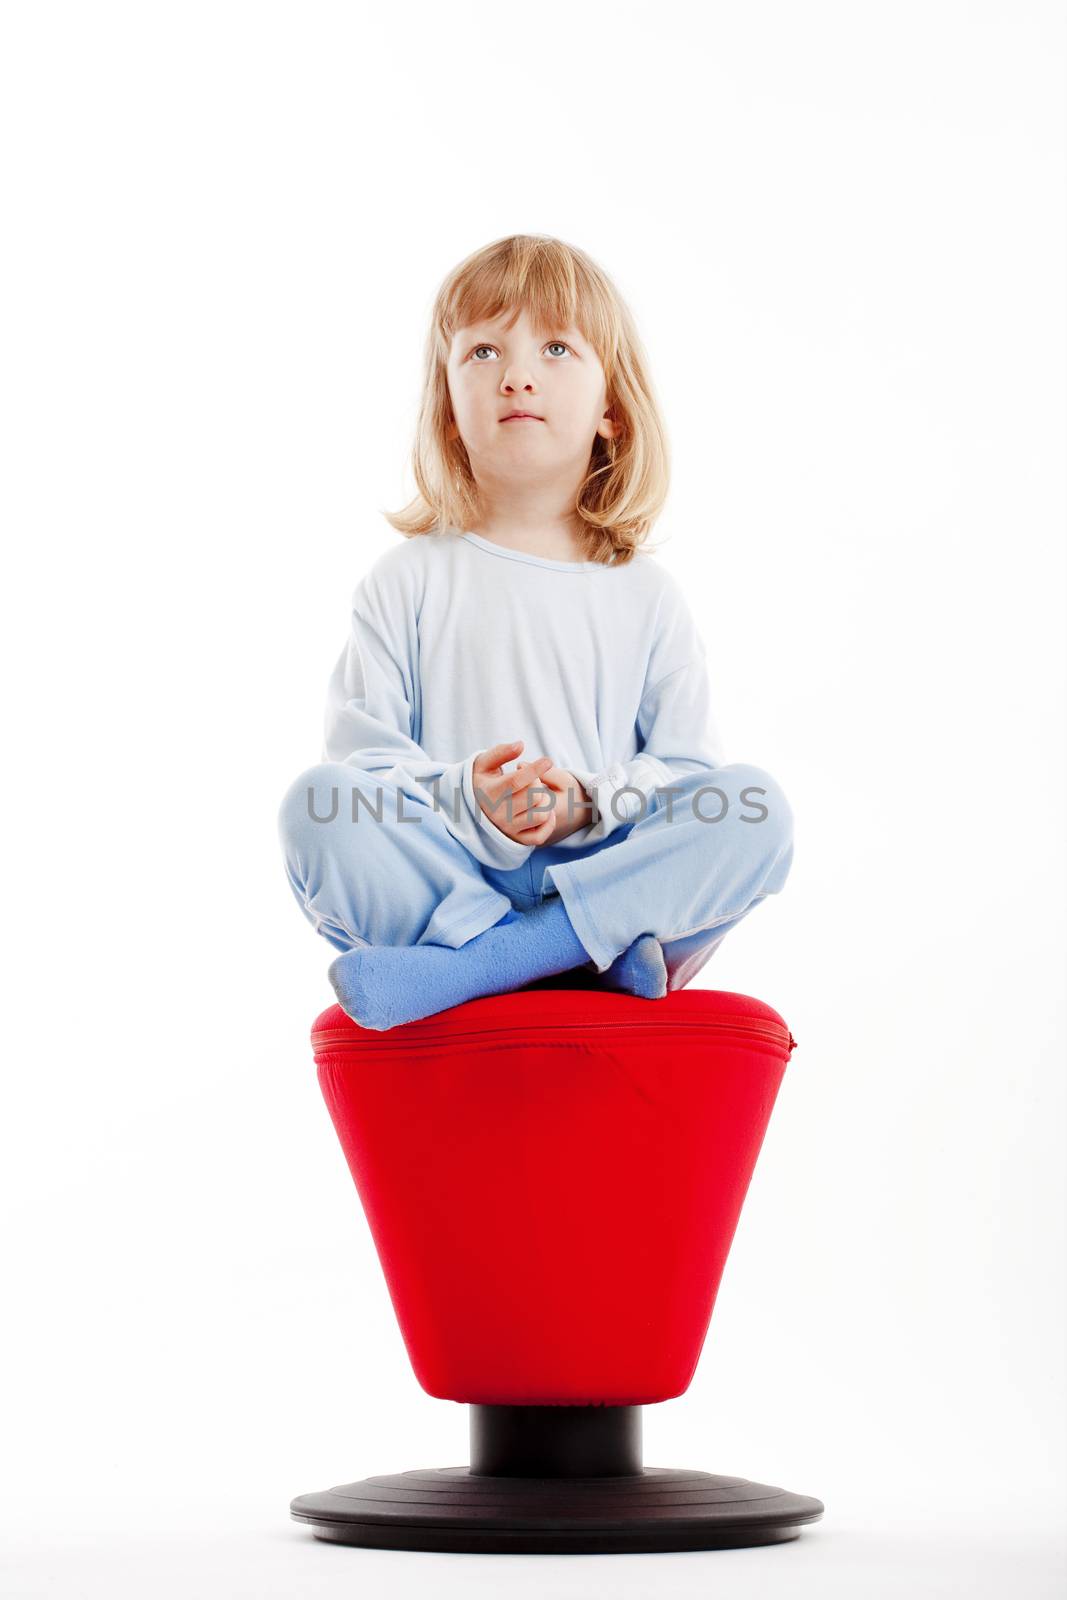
(555, 1479)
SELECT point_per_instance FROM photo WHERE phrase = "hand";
(573, 808)
(505, 798)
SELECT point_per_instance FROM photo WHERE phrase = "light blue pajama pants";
(703, 852)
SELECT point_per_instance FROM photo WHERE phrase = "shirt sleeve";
(676, 731)
(373, 712)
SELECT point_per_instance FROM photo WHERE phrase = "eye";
(553, 344)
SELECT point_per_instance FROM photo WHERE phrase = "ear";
(608, 427)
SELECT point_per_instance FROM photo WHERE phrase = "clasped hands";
(529, 818)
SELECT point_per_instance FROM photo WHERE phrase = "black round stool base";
(654, 1509)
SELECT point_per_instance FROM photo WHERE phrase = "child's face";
(556, 376)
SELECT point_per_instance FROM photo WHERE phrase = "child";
(521, 778)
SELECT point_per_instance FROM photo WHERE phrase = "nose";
(508, 384)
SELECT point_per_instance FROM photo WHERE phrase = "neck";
(534, 517)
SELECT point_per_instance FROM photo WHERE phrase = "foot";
(640, 970)
(384, 986)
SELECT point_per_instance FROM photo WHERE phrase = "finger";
(530, 772)
(537, 835)
(497, 754)
(532, 809)
(512, 783)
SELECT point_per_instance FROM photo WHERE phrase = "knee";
(313, 801)
(762, 801)
(754, 800)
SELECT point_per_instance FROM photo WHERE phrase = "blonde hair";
(560, 286)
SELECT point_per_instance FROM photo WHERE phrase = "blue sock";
(383, 986)
(640, 970)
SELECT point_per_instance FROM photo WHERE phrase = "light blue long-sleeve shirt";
(457, 644)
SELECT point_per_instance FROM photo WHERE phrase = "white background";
(841, 231)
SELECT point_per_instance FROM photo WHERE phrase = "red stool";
(552, 1179)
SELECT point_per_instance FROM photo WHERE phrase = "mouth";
(522, 416)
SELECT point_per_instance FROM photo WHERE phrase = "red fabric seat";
(553, 1178)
